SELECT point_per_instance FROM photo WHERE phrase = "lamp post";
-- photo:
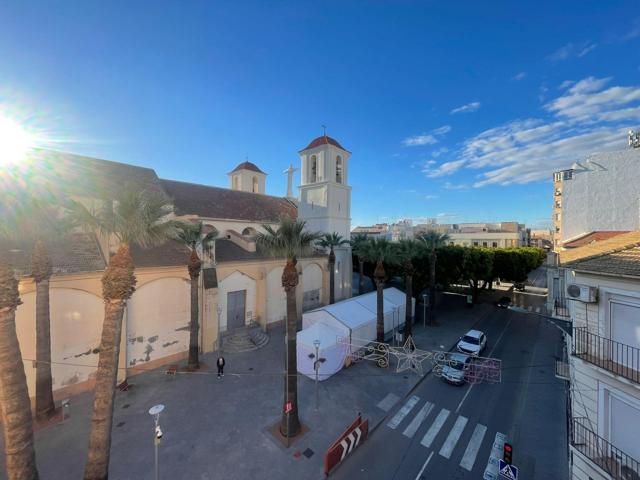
(155, 413)
(219, 310)
(424, 310)
(316, 366)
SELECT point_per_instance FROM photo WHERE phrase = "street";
(449, 430)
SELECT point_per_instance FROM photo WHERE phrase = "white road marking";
(469, 457)
(424, 466)
(403, 412)
(430, 436)
(388, 402)
(488, 355)
(413, 427)
(453, 437)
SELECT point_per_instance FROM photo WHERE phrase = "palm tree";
(379, 251)
(432, 241)
(15, 406)
(407, 252)
(331, 240)
(134, 216)
(289, 240)
(192, 236)
(358, 242)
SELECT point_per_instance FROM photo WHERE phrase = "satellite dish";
(156, 409)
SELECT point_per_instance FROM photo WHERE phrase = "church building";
(240, 286)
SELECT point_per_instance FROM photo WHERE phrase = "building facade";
(493, 235)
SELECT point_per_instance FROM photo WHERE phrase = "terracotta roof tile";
(247, 166)
(596, 249)
(169, 254)
(323, 140)
(591, 237)
(623, 262)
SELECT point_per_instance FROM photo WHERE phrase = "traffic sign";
(507, 471)
(288, 407)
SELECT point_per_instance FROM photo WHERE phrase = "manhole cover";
(120, 424)
(126, 405)
(308, 453)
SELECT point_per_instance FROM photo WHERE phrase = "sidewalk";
(217, 429)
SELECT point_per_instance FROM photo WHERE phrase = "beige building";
(239, 286)
(503, 234)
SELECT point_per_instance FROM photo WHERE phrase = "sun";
(15, 141)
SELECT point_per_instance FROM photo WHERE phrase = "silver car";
(454, 367)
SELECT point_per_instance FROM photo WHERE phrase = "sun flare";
(15, 141)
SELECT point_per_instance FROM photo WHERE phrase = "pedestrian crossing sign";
(507, 471)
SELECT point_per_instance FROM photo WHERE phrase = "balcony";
(612, 460)
(615, 357)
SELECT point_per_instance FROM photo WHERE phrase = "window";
(494, 244)
(475, 244)
(484, 244)
(338, 169)
(558, 204)
(313, 169)
(254, 187)
(557, 216)
(236, 182)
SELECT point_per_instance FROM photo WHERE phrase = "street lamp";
(155, 413)
(219, 310)
(424, 310)
(316, 364)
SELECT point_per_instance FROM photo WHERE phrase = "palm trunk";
(44, 383)
(118, 283)
(194, 266)
(14, 396)
(379, 275)
(360, 276)
(290, 424)
(332, 279)
(432, 285)
(408, 319)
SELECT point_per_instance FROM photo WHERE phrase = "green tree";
(134, 215)
(358, 242)
(330, 241)
(433, 240)
(289, 240)
(193, 237)
(477, 265)
(379, 251)
(407, 252)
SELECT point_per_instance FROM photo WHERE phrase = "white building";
(601, 193)
(502, 234)
(597, 288)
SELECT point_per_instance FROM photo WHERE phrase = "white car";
(473, 343)
(454, 368)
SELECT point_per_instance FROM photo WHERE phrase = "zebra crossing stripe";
(413, 427)
(470, 454)
(453, 437)
(430, 436)
(403, 412)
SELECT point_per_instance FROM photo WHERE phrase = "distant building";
(379, 230)
(600, 194)
(502, 234)
(541, 238)
(400, 230)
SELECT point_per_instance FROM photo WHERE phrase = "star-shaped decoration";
(409, 357)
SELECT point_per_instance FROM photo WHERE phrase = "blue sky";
(455, 110)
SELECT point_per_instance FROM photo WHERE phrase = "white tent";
(353, 319)
(329, 349)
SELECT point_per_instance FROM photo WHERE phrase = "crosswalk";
(419, 414)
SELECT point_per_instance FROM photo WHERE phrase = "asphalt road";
(449, 431)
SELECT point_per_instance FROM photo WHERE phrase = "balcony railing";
(560, 308)
(612, 460)
(616, 357)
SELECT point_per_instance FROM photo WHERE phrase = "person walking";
(220, 363)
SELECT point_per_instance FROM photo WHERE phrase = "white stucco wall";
(604, 194)
(158, 317)
(233, 283)
(311, 278)
(76, 326)
(276, 297)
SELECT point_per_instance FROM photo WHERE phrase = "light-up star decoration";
(409, 357)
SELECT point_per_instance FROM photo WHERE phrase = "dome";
(247, 166)
(323, 140)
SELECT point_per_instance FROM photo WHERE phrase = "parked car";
(504, 302)
(472, 343)
(455, 367)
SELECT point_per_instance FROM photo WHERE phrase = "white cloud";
(587, 49)
(572, 50)
(634, 32)
(456, 186)
(467, 108)
(438, 152)
(442, 130)
(519, 76)
(430, 197)
(588, 116)
(430, 138)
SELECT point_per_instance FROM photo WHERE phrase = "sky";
(458, 111)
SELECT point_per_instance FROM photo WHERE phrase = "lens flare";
(15, 141)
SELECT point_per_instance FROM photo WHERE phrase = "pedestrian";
(220, 363)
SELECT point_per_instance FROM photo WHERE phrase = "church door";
(235, 309)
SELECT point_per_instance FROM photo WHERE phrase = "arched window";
(254, 187)
(236, 182)
(338, 169)
(313, 169)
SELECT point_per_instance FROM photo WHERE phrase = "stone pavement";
(217, 428)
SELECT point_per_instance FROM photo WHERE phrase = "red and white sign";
(347, 443)
(288, 406)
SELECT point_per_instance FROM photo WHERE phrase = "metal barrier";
(346, 444)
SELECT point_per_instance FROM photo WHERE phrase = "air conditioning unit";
(582, 293)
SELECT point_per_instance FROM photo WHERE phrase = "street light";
(219, 310)
(424, 310)
(155, 413)
(316, 364)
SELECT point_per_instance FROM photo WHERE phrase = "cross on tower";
(324, 130)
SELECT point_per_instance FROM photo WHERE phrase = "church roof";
(323, 140)
(215, 202)
(247, 166)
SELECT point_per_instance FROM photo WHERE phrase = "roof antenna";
(324, 130)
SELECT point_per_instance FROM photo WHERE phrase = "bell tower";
(325, 200)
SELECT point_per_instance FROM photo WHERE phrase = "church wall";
(276, 298)
(236, 281)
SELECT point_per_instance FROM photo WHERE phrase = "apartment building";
(394, 232)
(596, 287)
(502, 234)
